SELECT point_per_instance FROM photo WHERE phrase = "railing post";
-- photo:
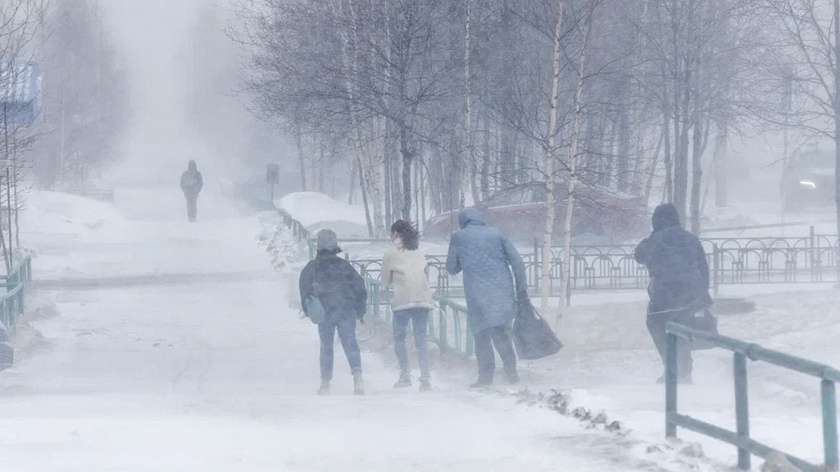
(670, 384)
(12, 307)
(376, 301)
(442, 325)
(716, 268)
(742, 411)
(829, 407)
(537, 267)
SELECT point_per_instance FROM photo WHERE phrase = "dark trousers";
(346, 327)
(656, 327)
(192, 207)
(499, 337)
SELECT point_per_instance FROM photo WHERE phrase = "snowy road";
(219, 374)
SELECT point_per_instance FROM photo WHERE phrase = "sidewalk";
(221, 374)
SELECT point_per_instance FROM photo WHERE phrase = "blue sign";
(21, 92)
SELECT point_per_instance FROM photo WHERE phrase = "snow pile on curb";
(280, 243)
(55, 212)
(317, 211)
(685, 455)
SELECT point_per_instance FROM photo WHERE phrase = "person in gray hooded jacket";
(487, 257)
(191, 185)
(341, 291)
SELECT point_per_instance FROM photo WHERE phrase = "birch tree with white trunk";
(548, 162)
(572, 178)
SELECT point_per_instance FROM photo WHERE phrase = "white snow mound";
(318, 211)
(57, 212)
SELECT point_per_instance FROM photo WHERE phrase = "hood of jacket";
(192, 166)
(470, 216)
(665, 216)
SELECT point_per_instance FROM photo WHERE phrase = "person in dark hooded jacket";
(494, 281)
(341, 291)
(679, 280)
(191, 185)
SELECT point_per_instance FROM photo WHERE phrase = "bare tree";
(812, 43)
(549, 158)
(85, 95)
(573, 159)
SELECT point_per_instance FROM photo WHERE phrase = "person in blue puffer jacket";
(494, 281)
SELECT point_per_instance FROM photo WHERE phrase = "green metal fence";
(741, 437)
(450, 332)
(12, 302)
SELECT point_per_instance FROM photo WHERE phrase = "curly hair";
(408, 234)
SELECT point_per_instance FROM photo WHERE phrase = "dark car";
(599, 217)
(808, 180)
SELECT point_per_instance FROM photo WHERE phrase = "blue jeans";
(346, 327)
(419, 318)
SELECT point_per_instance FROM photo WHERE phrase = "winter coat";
(192, 182)
(486, 256)
(337, 285)
(408, 273)
(676, 262)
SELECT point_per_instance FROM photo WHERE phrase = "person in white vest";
(404, 268)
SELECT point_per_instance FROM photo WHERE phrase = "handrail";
(20, 274)
(12, 302)
(458, 339)
(741, 438)
(11, 308)
(732, 261)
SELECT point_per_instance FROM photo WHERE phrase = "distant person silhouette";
(191, 184)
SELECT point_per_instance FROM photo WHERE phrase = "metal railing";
(741, 437)
(451, 331)
(732, 261)
(12, 302)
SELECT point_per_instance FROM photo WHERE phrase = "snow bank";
(283, 248)
(317, 211)
(54, 212)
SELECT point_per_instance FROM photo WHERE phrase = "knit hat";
(327, 240)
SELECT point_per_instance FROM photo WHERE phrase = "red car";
(599, 217)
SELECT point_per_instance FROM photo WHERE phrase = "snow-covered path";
(220, 374)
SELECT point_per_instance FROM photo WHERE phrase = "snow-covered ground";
(218, 373)
(609, 362)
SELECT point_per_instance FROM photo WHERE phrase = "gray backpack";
(313, 307)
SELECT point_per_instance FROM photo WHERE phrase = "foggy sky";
(153, 39)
